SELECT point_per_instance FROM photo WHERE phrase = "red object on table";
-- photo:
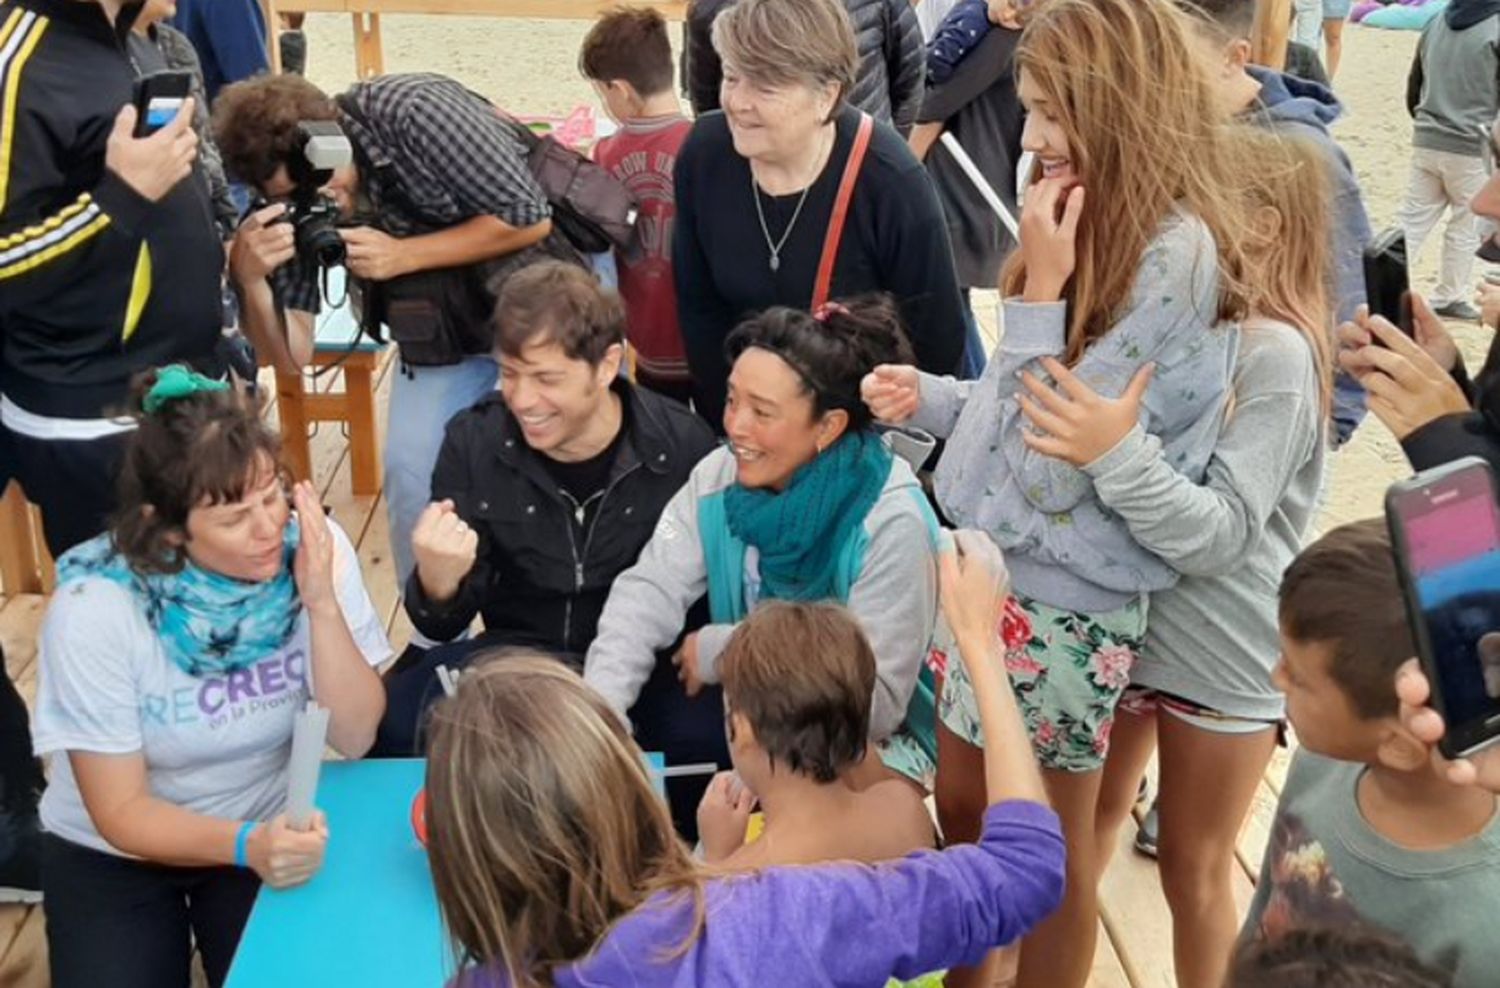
(419, 816)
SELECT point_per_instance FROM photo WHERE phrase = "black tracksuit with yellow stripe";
(96, 282)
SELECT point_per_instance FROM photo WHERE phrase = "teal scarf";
(208, 624)
(799, 531)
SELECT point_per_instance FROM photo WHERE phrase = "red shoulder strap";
(824, 281)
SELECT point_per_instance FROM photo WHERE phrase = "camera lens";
(317, 237)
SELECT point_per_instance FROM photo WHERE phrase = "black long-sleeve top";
(895, 240)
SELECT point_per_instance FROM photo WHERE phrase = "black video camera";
(313, 215)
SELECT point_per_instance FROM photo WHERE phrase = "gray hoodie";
(1062, 545)
(894, 598)
(1213, 637)
(1453, 90)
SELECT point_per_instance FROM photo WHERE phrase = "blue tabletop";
(370, 917)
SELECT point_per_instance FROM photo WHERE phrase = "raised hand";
(313, 566)
(445, 548)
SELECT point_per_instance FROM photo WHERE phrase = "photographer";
(435, 207)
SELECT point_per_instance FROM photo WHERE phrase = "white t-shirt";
(215, 745)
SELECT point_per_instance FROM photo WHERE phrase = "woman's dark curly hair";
(831, 352)
(208, 448)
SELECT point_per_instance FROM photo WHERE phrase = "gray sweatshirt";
(894, 598)
(1453, 90)
(1062, 545)
(1213, 637)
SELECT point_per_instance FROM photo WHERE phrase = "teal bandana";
(176, 381)
(800, 531)
(208, 624)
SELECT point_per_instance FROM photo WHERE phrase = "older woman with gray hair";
(788, 196)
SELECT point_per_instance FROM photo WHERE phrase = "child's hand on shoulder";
(723, 816)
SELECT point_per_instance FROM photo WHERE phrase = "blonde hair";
(1145, 134)
(1289, 266)
(544, 828)
(803, 42)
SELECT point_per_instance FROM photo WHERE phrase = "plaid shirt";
(433, 154)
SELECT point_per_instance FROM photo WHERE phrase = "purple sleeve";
(929, 911)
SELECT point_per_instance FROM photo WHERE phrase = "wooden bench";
(337, 342)
(25, 564)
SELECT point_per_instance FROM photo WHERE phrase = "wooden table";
(25, 565)
(369, 57)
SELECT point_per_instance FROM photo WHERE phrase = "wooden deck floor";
(1135, 945)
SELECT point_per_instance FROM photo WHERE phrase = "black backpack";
(593, 209)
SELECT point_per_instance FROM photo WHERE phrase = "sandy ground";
(531, 67)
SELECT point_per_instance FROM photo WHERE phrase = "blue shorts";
(1336, 10)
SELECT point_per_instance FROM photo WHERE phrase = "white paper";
(309, 734)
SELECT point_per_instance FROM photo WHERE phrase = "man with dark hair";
(435, 208)
(543, 493)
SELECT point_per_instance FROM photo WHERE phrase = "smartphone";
(1445, 530)
(1387, 285)
(157, 99)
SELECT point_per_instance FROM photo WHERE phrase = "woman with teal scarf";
(805, 503)
(174, 657)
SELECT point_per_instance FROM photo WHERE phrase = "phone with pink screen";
(1445, 528)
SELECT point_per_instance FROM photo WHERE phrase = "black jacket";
(535, 581)
(892, 59)
(96, 282)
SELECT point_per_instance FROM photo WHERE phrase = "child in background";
(628, 58)
(1369, 829)
(1452, 94)
(1130, 256)
(798, 680)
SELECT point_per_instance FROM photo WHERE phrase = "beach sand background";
(531, 67)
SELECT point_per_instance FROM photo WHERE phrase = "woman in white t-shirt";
(175, 654)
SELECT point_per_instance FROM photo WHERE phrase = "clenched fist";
(445, 547)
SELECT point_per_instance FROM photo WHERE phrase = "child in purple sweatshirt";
(555, 861)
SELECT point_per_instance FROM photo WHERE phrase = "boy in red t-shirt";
(628, 58)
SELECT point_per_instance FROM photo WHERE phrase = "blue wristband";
(242, 839)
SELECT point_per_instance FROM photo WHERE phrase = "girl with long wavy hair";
(1129, 261)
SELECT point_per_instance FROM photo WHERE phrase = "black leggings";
(129, 924)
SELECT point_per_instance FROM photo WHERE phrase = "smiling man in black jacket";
(543, 493)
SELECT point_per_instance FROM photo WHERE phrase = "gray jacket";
(1453, 90)
(1063, 546)
(1213, 637)
(894, 598)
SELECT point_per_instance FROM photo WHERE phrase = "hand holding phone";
(1445, 530)
(1387, 283)
(153, 165)
(158, 98)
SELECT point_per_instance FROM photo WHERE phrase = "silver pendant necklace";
(774, 246)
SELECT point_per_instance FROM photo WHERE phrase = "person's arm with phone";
(281, 330)
(106, 221)
(1408, 385)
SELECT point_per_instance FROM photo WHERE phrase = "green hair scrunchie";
(176, 381)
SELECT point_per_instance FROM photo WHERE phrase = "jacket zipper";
(579, 511)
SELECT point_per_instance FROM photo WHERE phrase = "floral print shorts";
(1068, 671)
